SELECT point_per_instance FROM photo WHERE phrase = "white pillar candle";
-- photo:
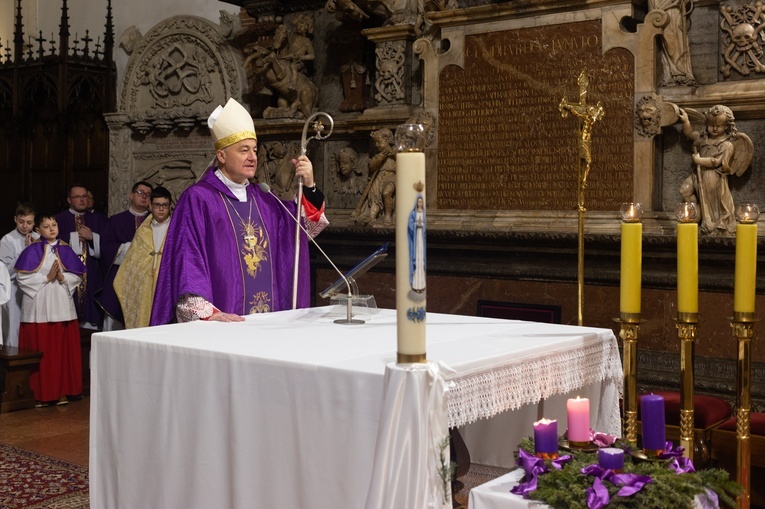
(410, 247)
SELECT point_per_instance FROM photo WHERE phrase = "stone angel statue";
(719, 150)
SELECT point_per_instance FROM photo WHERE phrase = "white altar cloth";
(283, 409)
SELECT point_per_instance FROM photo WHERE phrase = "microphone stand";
(318, 127)
(349, 320)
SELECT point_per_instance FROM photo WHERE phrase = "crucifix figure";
(587, 116)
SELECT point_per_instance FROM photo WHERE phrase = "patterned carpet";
(31, 480)
(477, 475)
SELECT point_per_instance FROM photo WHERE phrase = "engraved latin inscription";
(502, 141)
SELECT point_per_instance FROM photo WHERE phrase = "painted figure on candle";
(416, 234)
(719, 150)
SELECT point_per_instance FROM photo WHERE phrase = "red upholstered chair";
(709, 412)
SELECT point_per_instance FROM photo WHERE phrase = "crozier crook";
(318, 128)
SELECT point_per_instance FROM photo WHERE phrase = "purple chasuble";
(204, 252)
(93, 280)
(121, 229)
(32, 256)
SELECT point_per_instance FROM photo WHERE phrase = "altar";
(282, 410)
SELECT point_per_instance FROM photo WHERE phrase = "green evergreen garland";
(567, 488)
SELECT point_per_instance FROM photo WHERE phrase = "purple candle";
(652, 416)
(611, 458)
(546, 436)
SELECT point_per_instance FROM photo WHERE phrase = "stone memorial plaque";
(503, 144)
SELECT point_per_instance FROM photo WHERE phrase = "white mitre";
(230, 124)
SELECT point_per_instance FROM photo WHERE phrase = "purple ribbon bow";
(534, 467)
(630, 483)
(682, 465)
(597, 495)
(670, 451)
(601, 439)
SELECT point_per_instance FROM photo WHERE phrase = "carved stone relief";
(378, 200)
(172, 170)
(652, 113)
(359, 10)
(275, 167)
(675, 50)
(177, 73)
(742, 38)
(389, 83)
(280, 69)
(647, 116)
(349, 171)
(423, 25)
(183, 61)
(356, 87)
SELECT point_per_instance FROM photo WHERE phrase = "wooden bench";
(16, 366)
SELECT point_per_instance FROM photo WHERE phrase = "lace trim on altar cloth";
(484, 393)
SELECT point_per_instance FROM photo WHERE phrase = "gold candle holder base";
(687, 332)
(630, 328)
(652, 453)
(547, 455)
(579, 445)
(410, 358)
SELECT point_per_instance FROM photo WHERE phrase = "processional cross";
(587, 116)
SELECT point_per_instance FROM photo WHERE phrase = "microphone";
(349, 320)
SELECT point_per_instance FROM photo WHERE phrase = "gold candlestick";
(744, 316)
(630, 327)
(687, 215)
(743, 330)
(687, 330)
(629, 310)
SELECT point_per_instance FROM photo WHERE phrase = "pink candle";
(546, 436)
(578, 419)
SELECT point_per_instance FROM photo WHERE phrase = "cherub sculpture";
(379, 196)
(719, 150)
